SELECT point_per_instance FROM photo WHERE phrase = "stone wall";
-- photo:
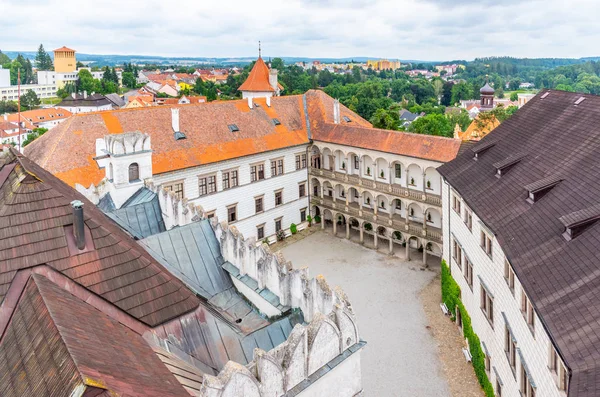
(331, 335)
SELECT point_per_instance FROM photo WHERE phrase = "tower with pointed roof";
(262, 81)
(487, 96)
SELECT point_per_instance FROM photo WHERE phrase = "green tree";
(129, 80)
(4, 59)
(514, 97)
(29, 100)
(87, 82)
(325, 78)
(433, 124)
(8, 106)
(277, 63)
(461, 91)
(460, 117)
(33, 135)
(15, 66)
(200, 87)
(388, 119)
(43, 61)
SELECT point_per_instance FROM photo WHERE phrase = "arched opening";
(382, 170)
(327, 190)
(367, 165)
(327, 159)
(433, 218)
(414, 177)
(340, 193)
(433, 183)
(383, 204)
(353, 163)
(315, 158)
(353, 197)
(340, 220)
(134, 172)
(327, 218)
(398, 173)
(316, 185)
(368, 200)
(340, 161)
(414, 213)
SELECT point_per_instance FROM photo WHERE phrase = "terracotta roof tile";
(258, 79)
(64, 49)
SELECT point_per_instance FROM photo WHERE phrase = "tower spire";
(259, 54)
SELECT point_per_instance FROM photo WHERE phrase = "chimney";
(78, 228)
(84, 94)
(336, 111)
(269, 101)
(74, 95)
(273, 79)
(5, 116)
(250, 102)
(175, 119)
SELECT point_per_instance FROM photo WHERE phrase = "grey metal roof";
(115, 99)
(140, 220)
(143, 195)
(191, 253)
(106, 204)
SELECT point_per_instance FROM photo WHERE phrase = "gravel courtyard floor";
(401, 357)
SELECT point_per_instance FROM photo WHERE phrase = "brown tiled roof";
(6, 126)
(474, 133)
(258, 79)
(35, 221)
(56, 344)
(559, 276)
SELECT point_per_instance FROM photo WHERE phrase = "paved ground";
(401, 357)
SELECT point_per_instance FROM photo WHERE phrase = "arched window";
(110, 172)
(134, 172)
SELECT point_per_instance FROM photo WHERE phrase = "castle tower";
(261, 82)
(487, 96)
(64, 60)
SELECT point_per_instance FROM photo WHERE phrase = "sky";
(397, 29)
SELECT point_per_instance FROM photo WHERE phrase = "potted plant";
(343, 166)
(368, 227)
(429, 217)
(368, 170)
(309, 219)
(412, 181)
(429, 247)
(368, 200)
(354, 223)
(412, 212)
(339, 220)
(382, 204)
(429, 185)
(382, 175)
(293, 228)
(280, 235)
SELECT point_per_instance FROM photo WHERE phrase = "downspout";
(308, 160)
(449, 232)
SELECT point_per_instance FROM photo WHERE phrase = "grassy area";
(50, 101)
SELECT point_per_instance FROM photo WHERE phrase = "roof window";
(581, 99)
(577, 222)
(347, 119)
(503, 166)
(481, 148)
(276, 122)
(179, 136)
(538, 189)
(233, 128)
(545, 95)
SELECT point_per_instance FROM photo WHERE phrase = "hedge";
(451, 297)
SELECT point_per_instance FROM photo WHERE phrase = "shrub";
(293, 228)
(368, 226)
(382, 174)
(280, 235)
(451, 297)
(309, 219)
(317, 219)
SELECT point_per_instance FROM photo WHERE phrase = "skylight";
(545, 95)
(581, 99)
(233, 128)
(276, 122)
(347, 119)
(179, 135)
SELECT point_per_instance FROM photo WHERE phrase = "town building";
(9, 133)
(522, 99)
(407, 117)
(263, 163)
(85, 310)
(383, 64)
(521, 232)
(10, 92)
(261, 82)
(40, 118)
(84, 103)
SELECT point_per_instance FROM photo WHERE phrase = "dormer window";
(480, 149)
(347, 119)
(577, 222)
(179, 136)
(233, 128)
(503, 166)
(538, 189)
(276, 122)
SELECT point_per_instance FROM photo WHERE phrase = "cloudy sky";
(405, 29)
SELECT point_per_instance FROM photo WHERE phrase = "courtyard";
(401, 357)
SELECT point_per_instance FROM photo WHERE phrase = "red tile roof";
(63, 344)
(35, 217)
(68, 149)
(64, 49)
(34, 117)
(258, 79)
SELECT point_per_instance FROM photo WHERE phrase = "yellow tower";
(64, 60)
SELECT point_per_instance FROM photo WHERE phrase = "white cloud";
(406, 29)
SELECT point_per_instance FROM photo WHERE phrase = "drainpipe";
(449, 233)
(308, 186)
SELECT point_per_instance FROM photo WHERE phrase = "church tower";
(487, 96)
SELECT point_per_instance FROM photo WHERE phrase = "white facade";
(488, 277)
(87, 109)
(11, 92)
(253, 94)
(49, 77)
(4, 77)
(245, 194)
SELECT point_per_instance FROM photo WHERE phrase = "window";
(212, 184)
(280, 167)
(356, 162)
(303, 215)
(177, 188)
(278, 198)
(258, 204)
(456, 204)
(300, 161)
(498, 388)
(207, 185)
(468, 273)
(509, 276)
(226, 180)
(527, 389)
(398, 169)
(260, 232)
(234, 178)
(487, 304)
(232, 213)
(527, 311)
(276, 167)
(210, 214)
(203, 186)
(486, 243)
(277, 225)
(273, 168)
(257, 172)
(302, 190)
(468, 218)
(398, 204)
(134, 172)
(510, 348)
(558, 370)
(487, 361)
(457, 253)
